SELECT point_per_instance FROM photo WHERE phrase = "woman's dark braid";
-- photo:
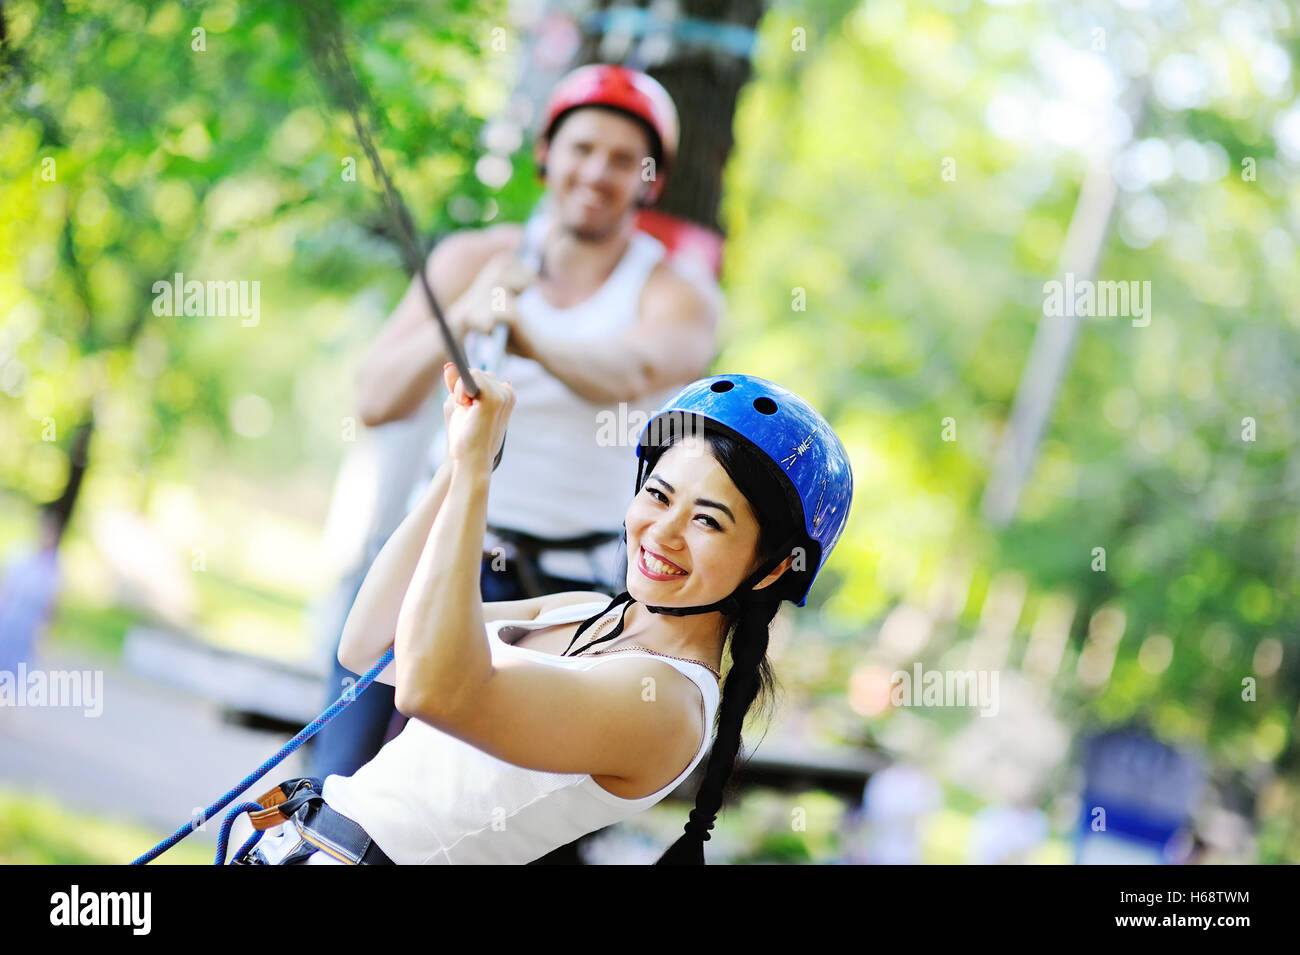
(748, 674)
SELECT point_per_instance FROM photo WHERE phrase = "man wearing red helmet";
(608, 139)
(604, 332)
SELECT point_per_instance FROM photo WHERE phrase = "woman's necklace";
(596, 632)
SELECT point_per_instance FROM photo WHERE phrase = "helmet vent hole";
(765, 406)
(721, 386)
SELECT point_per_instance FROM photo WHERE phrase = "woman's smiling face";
(691, 517)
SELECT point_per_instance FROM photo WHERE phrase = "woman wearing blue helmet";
(781, 459)
(576, 711)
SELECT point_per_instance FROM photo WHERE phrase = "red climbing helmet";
(629, 91)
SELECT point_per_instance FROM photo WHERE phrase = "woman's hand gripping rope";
(476, 427)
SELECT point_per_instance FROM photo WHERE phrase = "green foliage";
(923, 295)
(38, 830)
(922, 292)
(221, 163)
(102, 630)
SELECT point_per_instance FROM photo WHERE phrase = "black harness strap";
(527, 548)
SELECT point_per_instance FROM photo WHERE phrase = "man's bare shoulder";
(679, 288)
(466, 245)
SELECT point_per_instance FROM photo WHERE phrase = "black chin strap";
(624, 596)
(729, 605)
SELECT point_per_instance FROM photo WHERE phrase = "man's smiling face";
(593, 170)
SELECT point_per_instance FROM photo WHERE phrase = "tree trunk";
(704, 83)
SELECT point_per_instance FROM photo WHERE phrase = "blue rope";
(231, 816)
(244, 849)
(310, 730)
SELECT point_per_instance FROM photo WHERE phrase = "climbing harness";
(301, 803)
(522, 551)
(307, 732)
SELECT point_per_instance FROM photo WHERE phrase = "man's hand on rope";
(492, 300)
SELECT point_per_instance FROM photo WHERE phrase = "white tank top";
(569, 466)
(428, 798)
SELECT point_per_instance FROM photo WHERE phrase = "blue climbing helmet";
(806, 455)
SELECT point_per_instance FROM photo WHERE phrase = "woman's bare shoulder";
(572, 598)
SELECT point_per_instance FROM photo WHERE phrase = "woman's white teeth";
(658, 566)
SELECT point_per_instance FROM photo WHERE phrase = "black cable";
(324, 42)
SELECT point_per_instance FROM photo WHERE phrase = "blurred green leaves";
(900, 193)
(923, 292)
(132, 151)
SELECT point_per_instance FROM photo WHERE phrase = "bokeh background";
(904, 178)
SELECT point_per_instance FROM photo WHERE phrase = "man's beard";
(585, 233)
(594, 234)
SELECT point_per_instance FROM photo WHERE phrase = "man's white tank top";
(428, 798)
(569, 466)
